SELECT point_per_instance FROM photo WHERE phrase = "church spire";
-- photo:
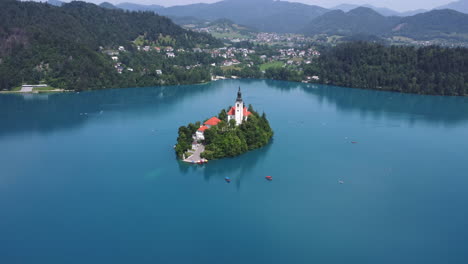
(239, 95)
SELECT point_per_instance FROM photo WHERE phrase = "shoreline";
(237, 78)
(38, 92)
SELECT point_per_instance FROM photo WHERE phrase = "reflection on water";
(237, 169)
(445, 110)
(47, 113)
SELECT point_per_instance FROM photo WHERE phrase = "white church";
(238, 112)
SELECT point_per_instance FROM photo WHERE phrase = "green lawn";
(274, 64)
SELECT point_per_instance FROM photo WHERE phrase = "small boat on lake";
(353, 142)
(269, 178)
(202, 161)
(227, 179)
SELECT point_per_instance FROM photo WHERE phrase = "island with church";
(234, 131)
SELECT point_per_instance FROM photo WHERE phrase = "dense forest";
(426, 70)
(226, 139)
(61, 45)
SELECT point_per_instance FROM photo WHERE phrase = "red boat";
(269, 178)
(353, 142)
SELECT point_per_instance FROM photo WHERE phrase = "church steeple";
(239, 96)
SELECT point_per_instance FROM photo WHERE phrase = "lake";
(92, 177)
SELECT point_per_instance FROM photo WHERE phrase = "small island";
(233, 132)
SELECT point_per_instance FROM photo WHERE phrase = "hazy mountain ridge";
(460, 6)
(434, 24)
(444, 24)
(139, 7)
(381, 10)
(264, 15)
(361, 20)
(290, 17)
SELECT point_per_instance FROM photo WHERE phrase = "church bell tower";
(239, 114)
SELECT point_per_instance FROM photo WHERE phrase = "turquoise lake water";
(92, 178)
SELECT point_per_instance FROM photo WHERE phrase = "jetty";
(195, 157)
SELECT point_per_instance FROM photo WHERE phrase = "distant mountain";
(108, 5)
(434, 24)
(184, 21)
(381, 10)
(413, 12)
(460, 6)
(138, 7)
(345, 7)
(264, 15)
(361, 20)
(55, 2)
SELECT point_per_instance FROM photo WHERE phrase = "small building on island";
(208, 124)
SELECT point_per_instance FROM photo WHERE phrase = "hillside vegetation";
(427, 70)
(61, 45)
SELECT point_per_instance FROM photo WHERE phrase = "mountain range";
(343, 20)
(443, 24)
(460, 6)
(264, 15)
(361, 20)
(346, 19)
(381, 10)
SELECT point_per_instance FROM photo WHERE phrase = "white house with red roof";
(200, 134)
(238, 112)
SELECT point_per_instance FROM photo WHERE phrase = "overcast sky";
(401, 5)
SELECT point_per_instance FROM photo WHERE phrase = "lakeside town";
(222, 62)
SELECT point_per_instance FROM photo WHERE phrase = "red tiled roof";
(246, 112)
(232, 111)
(203, 128)
(212, 121)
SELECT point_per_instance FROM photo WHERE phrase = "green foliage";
(226, 139)
(427, 70)
(283, 73)
(223, 115)
(234, 140)
(184, 140)
(60, 45)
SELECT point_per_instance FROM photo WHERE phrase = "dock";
(195, 157)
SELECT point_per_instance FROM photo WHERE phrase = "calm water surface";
(92, 178)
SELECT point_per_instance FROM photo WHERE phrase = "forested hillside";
(436, 24)
(427, 70)
(61, 45)
(361, 20)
